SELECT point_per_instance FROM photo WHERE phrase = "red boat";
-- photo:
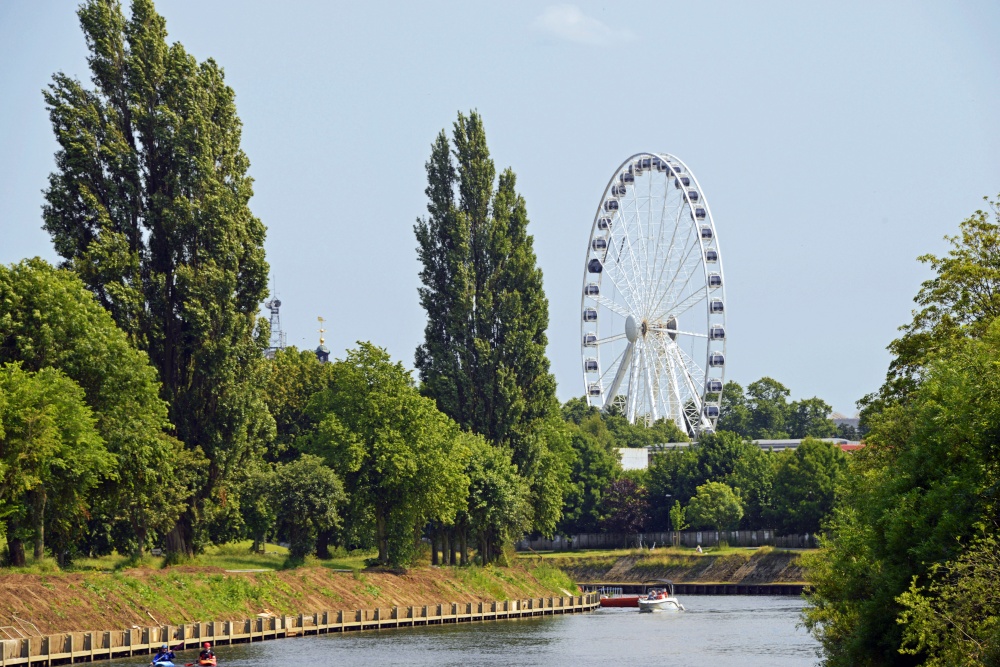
(620, 601)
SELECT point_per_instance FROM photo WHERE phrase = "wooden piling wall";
(70, 647)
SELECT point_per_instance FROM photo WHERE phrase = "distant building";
(639, 458)
(844, 420)
(634, 458)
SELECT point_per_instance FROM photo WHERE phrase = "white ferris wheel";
(653, 332)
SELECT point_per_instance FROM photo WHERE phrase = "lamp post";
(670, 532)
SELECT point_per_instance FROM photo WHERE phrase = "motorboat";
(659, 596)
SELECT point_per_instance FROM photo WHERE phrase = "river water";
(715, 631)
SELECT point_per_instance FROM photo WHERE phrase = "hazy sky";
(835, 144)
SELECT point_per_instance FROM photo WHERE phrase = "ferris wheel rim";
(655, 356)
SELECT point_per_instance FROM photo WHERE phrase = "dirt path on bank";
(80, 602)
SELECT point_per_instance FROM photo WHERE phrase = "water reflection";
(715, 631)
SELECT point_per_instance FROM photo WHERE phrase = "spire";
(322, 352)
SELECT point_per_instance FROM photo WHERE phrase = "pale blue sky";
(834, 142)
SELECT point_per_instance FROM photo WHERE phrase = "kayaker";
(163, 655)
(207, 654)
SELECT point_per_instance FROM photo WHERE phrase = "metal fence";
(688, 538)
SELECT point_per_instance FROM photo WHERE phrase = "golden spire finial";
(321, 330)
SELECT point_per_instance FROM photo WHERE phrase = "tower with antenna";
(322, 352)
(277, 341)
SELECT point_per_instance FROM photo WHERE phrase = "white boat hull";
(660, 604)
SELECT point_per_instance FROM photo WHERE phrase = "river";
(715, 631)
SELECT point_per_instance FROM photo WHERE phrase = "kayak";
(163, 663)
(206, 663)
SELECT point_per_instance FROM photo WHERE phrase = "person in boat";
(163, 655)
(207, 653)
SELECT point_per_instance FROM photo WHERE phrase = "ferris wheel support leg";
(623, 367)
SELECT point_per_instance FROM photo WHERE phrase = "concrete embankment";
(762, 571)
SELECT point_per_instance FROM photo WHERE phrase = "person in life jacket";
(163, 655)
(206, 652)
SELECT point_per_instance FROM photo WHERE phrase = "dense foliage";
(48, 320)
(137, 407)
(149, 206)
(483, 357)
(764, 413)
(902, 579)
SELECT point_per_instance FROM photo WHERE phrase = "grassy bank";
(98, 597)
(764, 565)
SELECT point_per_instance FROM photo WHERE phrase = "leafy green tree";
(149, 205)
(810, 418)
(641, 435)
(734, 411)
(483, 357)
(804, 485)
(715, 505)
(625, 506)
(258, 505)
(499, 510)
(49, 319)
(767, 400)
(51, 455)
(848, 432)
(961, 300)
(595, 466)
(576, 409)
(718, 457)
(678, 521)
(293, 377)
(954, 620)
(924, 486)
(401, 459)
(306, 494)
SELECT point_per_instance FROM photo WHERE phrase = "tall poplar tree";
(483, 358)
(149, 205)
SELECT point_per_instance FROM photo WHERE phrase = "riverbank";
(42, 604)
(765, 565)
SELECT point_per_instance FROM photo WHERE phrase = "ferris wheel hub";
(631, 329)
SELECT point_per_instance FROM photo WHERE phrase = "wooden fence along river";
(68, 647)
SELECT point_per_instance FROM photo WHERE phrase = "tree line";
(137, 407)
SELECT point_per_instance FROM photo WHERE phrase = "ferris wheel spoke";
(611, 305)
(693, 386)
(676, 226)
(631, 294)
(613, 365)
(670, 370)
(659, 236)
(610, 339)
(677, 332)
(682, 267)
(689, 303)
(691, 366)
(625, 293)
(635, 265)
(650, 388)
